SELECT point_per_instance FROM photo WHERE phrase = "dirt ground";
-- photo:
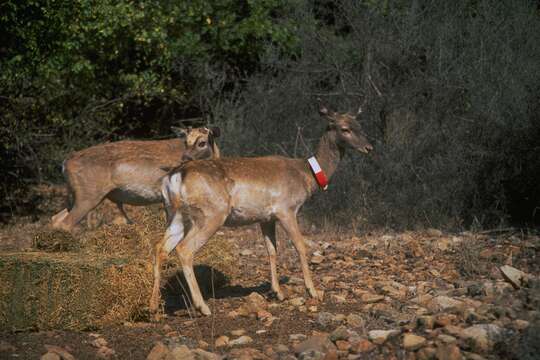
(439, 295)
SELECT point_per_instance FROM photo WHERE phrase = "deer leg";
(120, 207)
(59, 217)
(291, 226)
(82, 207)
(194, 240)
(269, 233)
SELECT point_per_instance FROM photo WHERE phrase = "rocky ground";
(412, 295)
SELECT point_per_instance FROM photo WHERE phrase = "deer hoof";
(205, 310)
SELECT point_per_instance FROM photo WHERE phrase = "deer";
(128, 172)
(202, 196)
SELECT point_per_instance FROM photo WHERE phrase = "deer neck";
(329, 153)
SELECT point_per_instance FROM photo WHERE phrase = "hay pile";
(105, 278)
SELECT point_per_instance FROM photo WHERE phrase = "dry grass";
(105, 278)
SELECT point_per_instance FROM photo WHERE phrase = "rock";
(246, 354)
(201, 354)
(426, 353)
(444, 243)
(246, 252)
(379, 337)
(158, 352)
(434, 232)
(181, 352)
(221, 341)
(317, 258)
(297, 301)
(325, 319)
(343, 345)
(105, 352)
(99, 342)
(263, 315)
(362, 346)
(6, 347)
(482, 337)
(448, 352)
(425, 322)
(242, 340)
(371, 298)
(340, 333)
(63, 353)
(447, 339)
(442, 320)
(316, 344)
(281, 349)
(413, 342)
(454, 330)
(338, 299)
(514, 276)
(297, 337)
(312, 355)
(238, 332)
(50, 356)
(256, 301)
(445, 303)
(354, 320)
(520, 324)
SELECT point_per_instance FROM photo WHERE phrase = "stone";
(297, 337)
(281, 349)
(379, 337)
(343, 345)
(238, 332)
(362, 346)
(426, 353)
(371, 298)
(514, 276)
(425, 322)
(158, 352)
(325, 319)
(413, 342)
(63, 353)
(354, 320)
(99, 342)
(318, 343)
(256, 302)
(317, 259)
(447, 339)
(482, 337)
(454, 330)
(105, 352)
(50, 356)
(297, 301)
(201, 354)
(181, 352)
(520, 324)
(242, 340)
(445, 303)
(221, 341)
(246, 252)
(442, 320)
(448, 352)
(338, 299)
(341, 333)
(312, 355)
(434, 232)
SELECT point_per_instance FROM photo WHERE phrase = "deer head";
(199, 142)
(348, 131)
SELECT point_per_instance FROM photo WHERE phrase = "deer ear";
(180, 132)
(216, 131)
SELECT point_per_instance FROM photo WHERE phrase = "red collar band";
(319, 174)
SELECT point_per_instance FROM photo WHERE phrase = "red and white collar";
(319, 174)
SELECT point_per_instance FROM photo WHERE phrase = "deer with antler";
(129, 172)
(240, 191)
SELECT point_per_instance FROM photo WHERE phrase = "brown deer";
(240, 191)
(128, 172)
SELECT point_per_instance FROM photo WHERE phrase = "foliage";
(76, 73)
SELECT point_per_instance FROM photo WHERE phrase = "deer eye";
(202, 144)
